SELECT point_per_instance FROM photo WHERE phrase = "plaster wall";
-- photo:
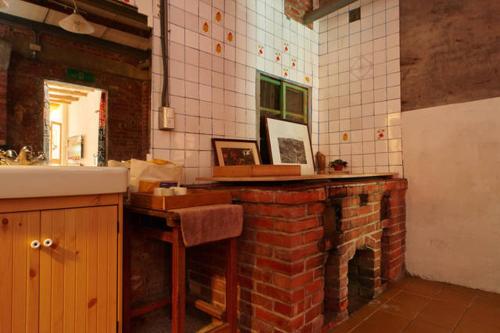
(451, 159)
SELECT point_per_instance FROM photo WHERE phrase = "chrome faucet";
(26, 156)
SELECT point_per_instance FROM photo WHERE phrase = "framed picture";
(236, 152)
(290, 143)
(75, 148)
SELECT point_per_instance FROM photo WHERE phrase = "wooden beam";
(324, 9)
(144, 31)
(63, 97)
(75, 93)
(68, 86)
(59, 101)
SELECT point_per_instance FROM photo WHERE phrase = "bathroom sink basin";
(52, 181)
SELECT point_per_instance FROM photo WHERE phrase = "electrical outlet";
(166, 120)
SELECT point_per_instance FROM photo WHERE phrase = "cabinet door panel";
(19, 272)
(79, 272)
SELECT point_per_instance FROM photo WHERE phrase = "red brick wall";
(449, 52)
(296, 9)
(3, 106)
(128, 98)
(291, 244)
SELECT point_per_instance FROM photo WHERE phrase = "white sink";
(52, 181)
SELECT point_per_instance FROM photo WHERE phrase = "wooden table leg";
(178, 282)
(127, 224)
(232, 285)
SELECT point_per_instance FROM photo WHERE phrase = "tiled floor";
(419, 306)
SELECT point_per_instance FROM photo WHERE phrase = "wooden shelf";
(295, 178)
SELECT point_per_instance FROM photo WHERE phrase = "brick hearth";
(296, 248)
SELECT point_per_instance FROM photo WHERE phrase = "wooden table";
(173, 236)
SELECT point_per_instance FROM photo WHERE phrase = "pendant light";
(76, 23)
(4, 4)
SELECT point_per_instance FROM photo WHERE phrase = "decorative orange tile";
(277, 57)
(230, 37)
(205, 27)
(380, 134)
(218, 48)
(345, 137)
(218, 17)
(285, 72)
(260, 50)
(293, 63)
(286, 48)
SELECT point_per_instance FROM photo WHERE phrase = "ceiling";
(66, 93)
(113, 21)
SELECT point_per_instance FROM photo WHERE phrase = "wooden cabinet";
(59, 269)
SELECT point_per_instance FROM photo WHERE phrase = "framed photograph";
(290, 143)
(75, 148)
(236, 152)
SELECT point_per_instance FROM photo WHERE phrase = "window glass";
(281, 100)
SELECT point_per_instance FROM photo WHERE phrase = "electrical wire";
(164, 50)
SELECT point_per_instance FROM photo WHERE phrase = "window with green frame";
(281, 100)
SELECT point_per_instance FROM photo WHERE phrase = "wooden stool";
(173, 235)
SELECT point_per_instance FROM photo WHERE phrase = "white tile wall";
(212, 77)
(359, 87)
(353, 69)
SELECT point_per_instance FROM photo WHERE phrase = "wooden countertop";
(295, 178)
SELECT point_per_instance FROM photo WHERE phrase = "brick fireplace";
(310, 254)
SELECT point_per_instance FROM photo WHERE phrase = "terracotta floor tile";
(357, 317)
(419, 306)
(417, 326)
(382, 322)
(390, 292)
(467, 326)
(457, 294)
(422, 287)
(406, 304)
(488, 298)
(444, 314)
(484, 313)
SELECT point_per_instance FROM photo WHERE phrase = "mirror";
(74, 124)
(46, 73)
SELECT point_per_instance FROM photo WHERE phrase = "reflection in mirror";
(74, 124)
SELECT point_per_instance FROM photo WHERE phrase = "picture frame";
(231, 152)
(290, 144)
(75, 149)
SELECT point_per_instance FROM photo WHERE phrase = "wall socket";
(166, 118)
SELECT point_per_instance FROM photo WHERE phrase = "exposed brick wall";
(449, 52)
(3, 106)
(128, 98)
(296, 9)
(294, 255)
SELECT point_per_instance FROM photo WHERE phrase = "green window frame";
(283, 112)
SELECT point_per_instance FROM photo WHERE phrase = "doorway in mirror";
(75, 122)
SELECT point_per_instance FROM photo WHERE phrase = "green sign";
(75, 74)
